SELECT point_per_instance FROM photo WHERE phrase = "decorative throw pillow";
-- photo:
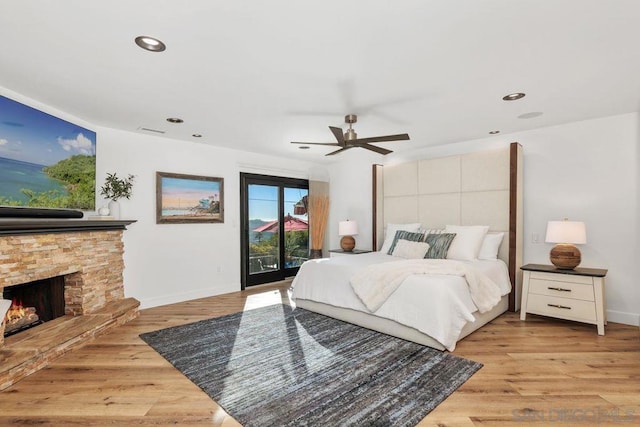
(431, 230)
(467, 242)
(405, 235)
(391, 233)
(490, 246)
(438, 245)
(410, 250)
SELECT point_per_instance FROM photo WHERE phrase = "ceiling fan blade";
(316, 143)
(399, 137)
(339, 151)
(337, 132)
(372, 148)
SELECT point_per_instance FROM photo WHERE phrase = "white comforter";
(437, 305)
(375, 283)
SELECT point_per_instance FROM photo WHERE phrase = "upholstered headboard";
(481, 188)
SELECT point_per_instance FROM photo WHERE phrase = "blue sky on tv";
(33, 136)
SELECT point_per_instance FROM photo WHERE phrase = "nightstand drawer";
(559, 277)
(564, 308)
(562, 289)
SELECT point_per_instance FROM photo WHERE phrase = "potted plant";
(114, 189)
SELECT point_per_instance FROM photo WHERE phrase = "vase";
(315, 253)
(104, 211)
(114, 209)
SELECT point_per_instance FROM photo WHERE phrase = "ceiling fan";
(350, 139)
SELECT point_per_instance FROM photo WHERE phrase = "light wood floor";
(536, 373)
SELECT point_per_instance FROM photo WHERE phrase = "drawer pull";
(558, 289)
(559, 306)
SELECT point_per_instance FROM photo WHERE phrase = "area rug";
(278, 366)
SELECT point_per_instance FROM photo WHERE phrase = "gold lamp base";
(347, 243)
(565, 256)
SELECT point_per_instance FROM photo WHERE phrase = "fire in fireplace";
(19, 318)
(33, 303)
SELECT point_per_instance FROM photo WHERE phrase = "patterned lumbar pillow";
(439, 245)
(405, 235)
(410, 250)
(390, 233)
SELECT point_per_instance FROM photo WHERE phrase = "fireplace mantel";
(39, 226)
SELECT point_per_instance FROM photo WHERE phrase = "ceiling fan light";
(349, 139)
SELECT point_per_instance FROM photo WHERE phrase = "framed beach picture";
(188, 198)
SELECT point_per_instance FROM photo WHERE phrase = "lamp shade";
(347, 228)
(574, 232)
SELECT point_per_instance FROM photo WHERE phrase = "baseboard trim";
(632, 319)
(186, 296)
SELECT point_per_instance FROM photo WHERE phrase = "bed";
(431, 309)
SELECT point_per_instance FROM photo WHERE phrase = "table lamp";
(565, 255)
(347, 229)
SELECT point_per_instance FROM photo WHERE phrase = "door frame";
(282, 273)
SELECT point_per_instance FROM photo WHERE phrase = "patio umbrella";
(290, 224)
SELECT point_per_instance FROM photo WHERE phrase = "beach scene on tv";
(45, 161)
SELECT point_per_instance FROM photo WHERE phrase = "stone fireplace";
(88, 255)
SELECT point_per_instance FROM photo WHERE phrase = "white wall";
(350, 196)
(166, 263)
(586, 171)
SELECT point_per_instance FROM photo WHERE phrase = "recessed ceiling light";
(303, 147)
(150, 43)
(494, 132)
(175, 120)
(531, 115)
(513, 96)
(196, 135)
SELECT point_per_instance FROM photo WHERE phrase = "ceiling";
(254, 75)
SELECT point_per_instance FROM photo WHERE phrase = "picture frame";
(183, 199)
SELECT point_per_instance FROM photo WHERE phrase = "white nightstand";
(565, 294)
(340, 252)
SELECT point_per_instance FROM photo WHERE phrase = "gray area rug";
(274, 366)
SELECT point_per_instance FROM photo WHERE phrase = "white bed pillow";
(466, 245)
(390, 233)
(490, 246)
(410, 250)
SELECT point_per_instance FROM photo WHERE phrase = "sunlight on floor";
(262, 299)
(221, 418)
(299, 353)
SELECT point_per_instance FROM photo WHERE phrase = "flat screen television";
(45, 162)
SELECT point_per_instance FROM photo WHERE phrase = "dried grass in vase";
(318, 214)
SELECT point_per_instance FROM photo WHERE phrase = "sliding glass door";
(275, 230)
